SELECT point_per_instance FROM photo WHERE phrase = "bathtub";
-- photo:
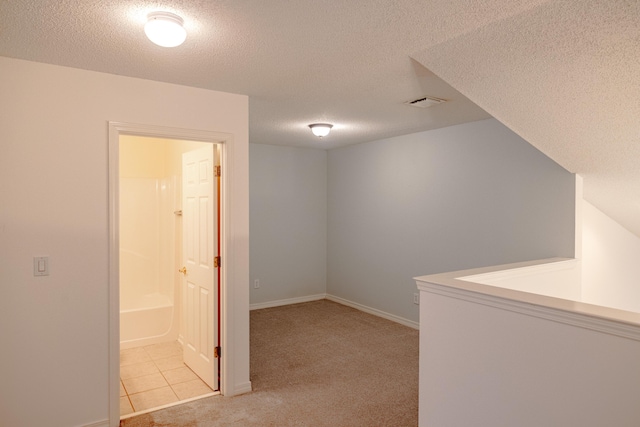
(149, 319)
(517, 345)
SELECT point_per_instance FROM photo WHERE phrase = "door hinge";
(217, 261)
(217, 171)
(217, 352)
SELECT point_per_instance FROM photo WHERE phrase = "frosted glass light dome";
(165, 29)
(321, 129)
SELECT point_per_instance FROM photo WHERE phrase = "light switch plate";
(41, 266)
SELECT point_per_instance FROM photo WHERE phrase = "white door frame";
(226, 307)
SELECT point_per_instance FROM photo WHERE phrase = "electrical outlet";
(416, 299)
(256, 284)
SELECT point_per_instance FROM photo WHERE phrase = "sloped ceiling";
(565, 75)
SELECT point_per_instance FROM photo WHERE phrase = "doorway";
(167, 145)
(168, 278)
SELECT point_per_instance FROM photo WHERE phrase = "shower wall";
(147, 223)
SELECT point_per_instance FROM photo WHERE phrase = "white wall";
(54, 201)
(610, 261)
(531, 360)
(484, 366)
(288, 222)
(443, 200)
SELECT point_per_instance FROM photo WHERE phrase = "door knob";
(183, 270)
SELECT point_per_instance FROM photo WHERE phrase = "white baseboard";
(242, 388)
(104, 423)
(375, 312)
(287, 301)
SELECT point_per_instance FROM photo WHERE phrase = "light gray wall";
(459, 197)
(288, 222)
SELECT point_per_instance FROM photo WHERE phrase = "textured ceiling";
(565, 75)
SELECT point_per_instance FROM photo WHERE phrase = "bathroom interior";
(152, 370)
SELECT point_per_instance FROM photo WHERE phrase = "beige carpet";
(315, 364)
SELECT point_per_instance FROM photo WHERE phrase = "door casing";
(226, 313)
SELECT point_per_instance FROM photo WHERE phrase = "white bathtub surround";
(147, 238)
(148, 284)
(503, 354)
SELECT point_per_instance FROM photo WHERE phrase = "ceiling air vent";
(426, 102)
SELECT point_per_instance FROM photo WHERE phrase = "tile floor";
(156, 375)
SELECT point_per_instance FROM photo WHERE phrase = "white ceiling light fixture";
(165, 29)
(320, 129)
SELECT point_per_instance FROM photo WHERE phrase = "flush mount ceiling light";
(165, 29)
(321, 129)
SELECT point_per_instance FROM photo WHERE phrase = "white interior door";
(199, 246)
